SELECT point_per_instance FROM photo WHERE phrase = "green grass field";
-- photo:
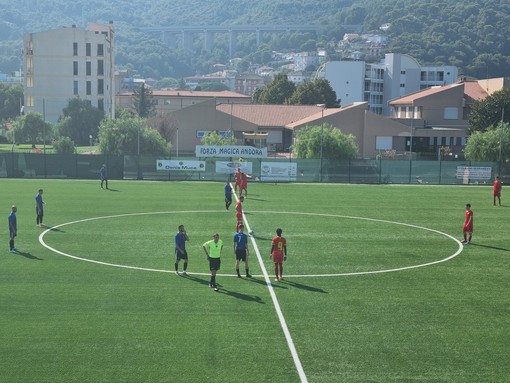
(65, 319)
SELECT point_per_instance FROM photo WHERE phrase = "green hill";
(472, 34)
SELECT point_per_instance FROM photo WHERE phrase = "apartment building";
(395, 76)
(65, 63)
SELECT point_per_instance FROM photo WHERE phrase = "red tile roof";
(269, 115)
(193, 93)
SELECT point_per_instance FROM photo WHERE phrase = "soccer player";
(103, 175)
(180, 249)
(278, 253)
(228, 195)
(241, 250)
(243, 185)
(467, 229)
(213, 249)
(39, 208)
(239, 212)
(237, 176)
(497, 190)
(13, 229)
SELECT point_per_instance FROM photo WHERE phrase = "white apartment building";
(65, 63)
(395, 76)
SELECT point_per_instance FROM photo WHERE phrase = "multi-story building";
(395, 76)
(66, 63)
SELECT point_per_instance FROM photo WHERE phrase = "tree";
(335, 144)
(30, 129)
(279, 91)
(120, 137)
(488, 145)
(10, 101)
(214, 139)
(64, 145)
(79, 121)
(487, 113)
(143, 101)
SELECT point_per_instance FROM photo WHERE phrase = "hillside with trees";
(471, 34)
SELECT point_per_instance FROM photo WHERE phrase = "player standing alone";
(467, 229)
(241, 250)
(39, 208)
(180, 249)
(228, 195)
(497, 190)
(213, 249)
(278, 253)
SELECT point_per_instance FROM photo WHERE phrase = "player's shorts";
(214, 263)
(241, 255)
(228, 198)
(278, 258)
(497, 193)
(467, 229)
(12, 234)
(179, 255)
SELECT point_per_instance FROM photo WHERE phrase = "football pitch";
(377, 286)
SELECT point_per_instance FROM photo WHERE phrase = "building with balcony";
(395, 76)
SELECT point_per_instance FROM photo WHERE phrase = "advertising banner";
(474, 172)
(278, 171)
(230, 151)
(232, 166)
(180, 165)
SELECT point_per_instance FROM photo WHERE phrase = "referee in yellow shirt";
(213, 249)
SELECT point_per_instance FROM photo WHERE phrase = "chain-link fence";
(380, 171)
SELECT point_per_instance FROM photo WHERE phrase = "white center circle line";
(459, 250)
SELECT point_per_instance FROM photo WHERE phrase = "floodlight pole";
(322, 139)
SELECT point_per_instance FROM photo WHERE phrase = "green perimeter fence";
(86, 166)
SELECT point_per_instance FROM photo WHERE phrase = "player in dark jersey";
(241, 250)
(180, 250)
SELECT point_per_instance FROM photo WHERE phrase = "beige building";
(167, 101)
(422, 123)
(65, 63)
(438, 116)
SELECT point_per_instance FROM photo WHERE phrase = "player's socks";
(185, 266)
(238, 273)
(248, 273)
(176, 266)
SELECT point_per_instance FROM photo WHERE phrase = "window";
(75, 68)
(89, 88)
(30, 81)
(100, 49)
(451, 113)
(75, 49)
(383, 143)
(100, 67)
(75, 87)
(30, 100)
(100, 86)
(88, 68)
(100, 104)
(87, 49)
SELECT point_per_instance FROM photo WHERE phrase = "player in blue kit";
(228, 195)
(241, 250)
(39, 208)
(180, 250)
(13, 229)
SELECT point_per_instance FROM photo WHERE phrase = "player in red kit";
(243, 185)
(467, 229)
(237, 176)
(497, 190)
(278, 253)
(239, 212)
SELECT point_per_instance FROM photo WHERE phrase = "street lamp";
(138, 154)
(323, 106)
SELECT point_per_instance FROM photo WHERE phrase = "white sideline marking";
(283, 323)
